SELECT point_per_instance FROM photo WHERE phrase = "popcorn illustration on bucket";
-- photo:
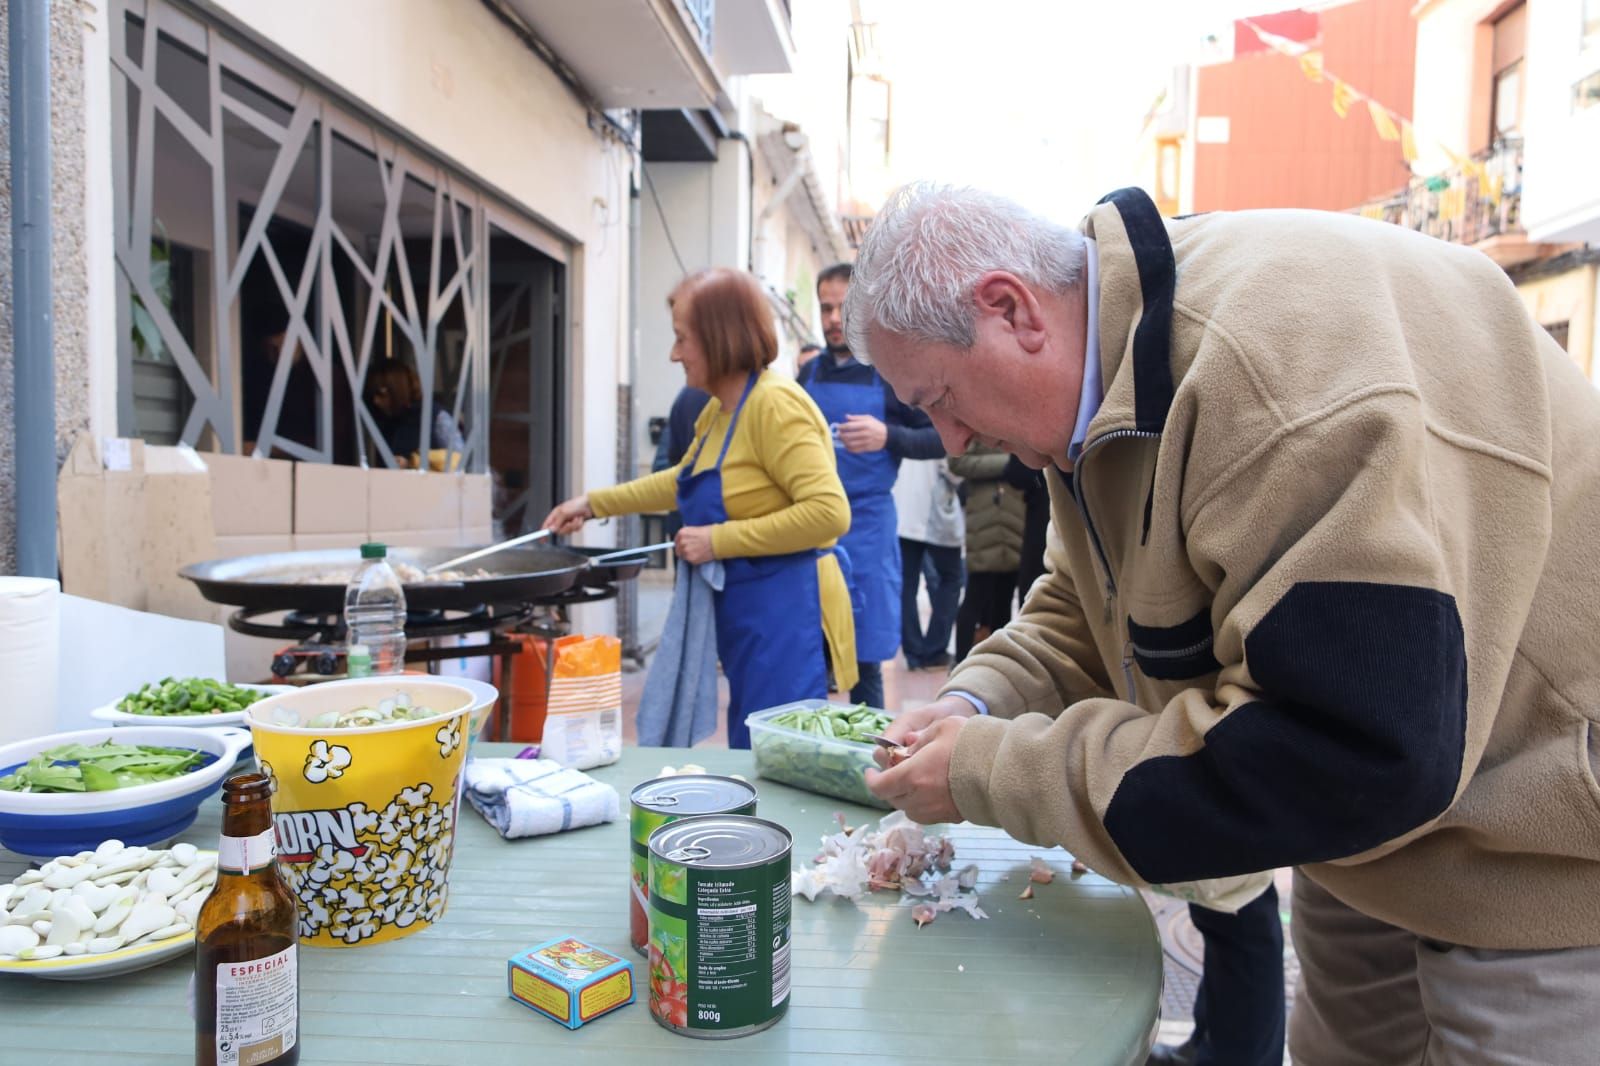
(366, 778)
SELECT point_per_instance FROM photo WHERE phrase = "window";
(1505, 101)
(1558, 330)
(1587, 92)
(297, 282)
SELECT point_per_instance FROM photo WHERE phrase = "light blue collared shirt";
(1090, 396)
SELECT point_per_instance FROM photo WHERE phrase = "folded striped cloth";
(535, 797)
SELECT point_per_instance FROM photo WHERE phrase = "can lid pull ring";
(690, 853)
(664, 801)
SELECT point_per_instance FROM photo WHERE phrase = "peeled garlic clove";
(40, 953)
(123, 878)
(102, 944)
(44, 925)
(1027, 893)
(77, 947)
(162, 881)
(28, 877)
(17, 938)
(185, 853)
(107, 849)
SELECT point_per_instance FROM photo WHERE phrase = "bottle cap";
(373, 551)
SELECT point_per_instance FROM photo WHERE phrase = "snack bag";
(583, 724)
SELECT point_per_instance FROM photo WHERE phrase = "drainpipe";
(33, 358)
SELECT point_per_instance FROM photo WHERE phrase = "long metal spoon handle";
(627, 553)
(526, 538)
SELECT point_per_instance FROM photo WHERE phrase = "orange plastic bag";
(578, 721)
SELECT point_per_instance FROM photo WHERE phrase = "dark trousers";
(1239, 1008)
(942, 568)
(1034, 528)
(869, 687)
(987, 604)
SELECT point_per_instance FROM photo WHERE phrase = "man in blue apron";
(873, 432)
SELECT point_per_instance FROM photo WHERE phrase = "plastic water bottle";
(375, 616)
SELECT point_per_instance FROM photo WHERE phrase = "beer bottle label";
(258, 1009)
(246, 854)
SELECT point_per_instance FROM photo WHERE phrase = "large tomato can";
(663, 800)
(719, 925)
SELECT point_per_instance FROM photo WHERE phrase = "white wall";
(705, 206)
(1561, 163)
(1446, 109)
(816, 95)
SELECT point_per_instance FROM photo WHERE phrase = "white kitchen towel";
(535, 797)
(30, 640)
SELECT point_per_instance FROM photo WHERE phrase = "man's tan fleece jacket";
(1324, 586)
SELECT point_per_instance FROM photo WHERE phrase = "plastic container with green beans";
(817, 746)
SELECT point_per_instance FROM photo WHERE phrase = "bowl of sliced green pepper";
(186, 701)
(819, 746)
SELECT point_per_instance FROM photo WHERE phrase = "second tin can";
(666, 799)
(719, 925)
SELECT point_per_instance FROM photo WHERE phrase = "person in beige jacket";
(1323, 592)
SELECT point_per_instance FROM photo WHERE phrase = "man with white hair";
(1323, 585)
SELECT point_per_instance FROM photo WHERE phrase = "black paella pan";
(314, 581)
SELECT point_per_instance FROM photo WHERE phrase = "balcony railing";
(702, 12)
(1470, 202)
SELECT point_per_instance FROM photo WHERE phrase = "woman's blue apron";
(769, 612)
(872, 543)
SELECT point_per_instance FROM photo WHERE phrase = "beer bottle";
(247, 980)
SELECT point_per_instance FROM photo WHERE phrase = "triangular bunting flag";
(1382, 121)
(1408, 142)
(1343, 97)
(1311, 65)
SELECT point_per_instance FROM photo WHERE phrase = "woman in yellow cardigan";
(758, 490)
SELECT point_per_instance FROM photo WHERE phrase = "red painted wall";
(1286, 146)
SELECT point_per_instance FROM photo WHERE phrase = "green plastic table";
(1070, 976)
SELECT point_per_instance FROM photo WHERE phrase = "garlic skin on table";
(899, 854)
(101, 900)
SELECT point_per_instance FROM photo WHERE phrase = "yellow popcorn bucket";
(365, 816)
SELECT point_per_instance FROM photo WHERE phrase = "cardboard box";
(311, 542)
(419, 538)
(331, 499)
(250, 496)
(477, 501)
(100, 499)
(414, 499)
(177, 531)
(569, 981)
(130, 517)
